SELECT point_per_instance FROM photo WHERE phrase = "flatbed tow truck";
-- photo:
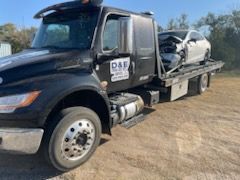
(89, 69)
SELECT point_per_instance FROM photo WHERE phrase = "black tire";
(209, 80)
(206, 58)
(203, 83)
(54, 138)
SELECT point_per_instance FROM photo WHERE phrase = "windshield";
(180, 34)
(67, 30)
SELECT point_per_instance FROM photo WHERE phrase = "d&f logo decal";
(120, 69)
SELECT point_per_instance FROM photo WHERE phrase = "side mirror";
(125, 46)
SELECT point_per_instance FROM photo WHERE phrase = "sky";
(21, 12)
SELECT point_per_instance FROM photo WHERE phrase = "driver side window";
(111, 34)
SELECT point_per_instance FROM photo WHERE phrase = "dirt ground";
(196, 137)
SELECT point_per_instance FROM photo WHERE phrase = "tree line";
(223, 31)
(19, 38)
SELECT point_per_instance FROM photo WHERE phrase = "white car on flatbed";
(181, 47)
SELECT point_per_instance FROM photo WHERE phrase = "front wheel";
(72, 138)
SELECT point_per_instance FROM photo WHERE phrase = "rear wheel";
(72, 138)
(203, 83)
(206, 58)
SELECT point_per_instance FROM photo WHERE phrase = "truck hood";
(35, 62)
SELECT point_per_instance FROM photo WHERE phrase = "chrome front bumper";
(20, 141)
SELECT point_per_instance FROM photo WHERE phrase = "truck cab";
(119, 49)
(83, 55)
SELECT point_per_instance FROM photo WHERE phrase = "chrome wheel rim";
(78, 140)
(204, 83)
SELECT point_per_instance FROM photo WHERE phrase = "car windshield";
(180, 34)
(67, 30)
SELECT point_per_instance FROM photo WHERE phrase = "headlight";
(9, 104)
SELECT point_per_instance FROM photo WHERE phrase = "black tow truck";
(89, 68)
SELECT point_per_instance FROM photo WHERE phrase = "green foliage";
(224, 35)
(172, 25)
(179, 23)
(18, 38)
(183, 22)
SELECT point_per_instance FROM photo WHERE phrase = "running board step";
(134, 121)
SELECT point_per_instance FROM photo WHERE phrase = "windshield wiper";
(51, 47)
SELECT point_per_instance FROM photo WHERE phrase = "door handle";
(145, 58)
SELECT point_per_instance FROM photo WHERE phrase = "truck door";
(115, 62)
(145, 55)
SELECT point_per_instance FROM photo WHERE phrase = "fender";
(70, 84)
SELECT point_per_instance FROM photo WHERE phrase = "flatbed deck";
(190, 72)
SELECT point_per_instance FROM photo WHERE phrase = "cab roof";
(67, 6)
(78, 4)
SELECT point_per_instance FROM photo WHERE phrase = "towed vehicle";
(183, 47)
(90, 68)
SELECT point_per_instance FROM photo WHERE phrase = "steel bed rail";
(212, 66)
